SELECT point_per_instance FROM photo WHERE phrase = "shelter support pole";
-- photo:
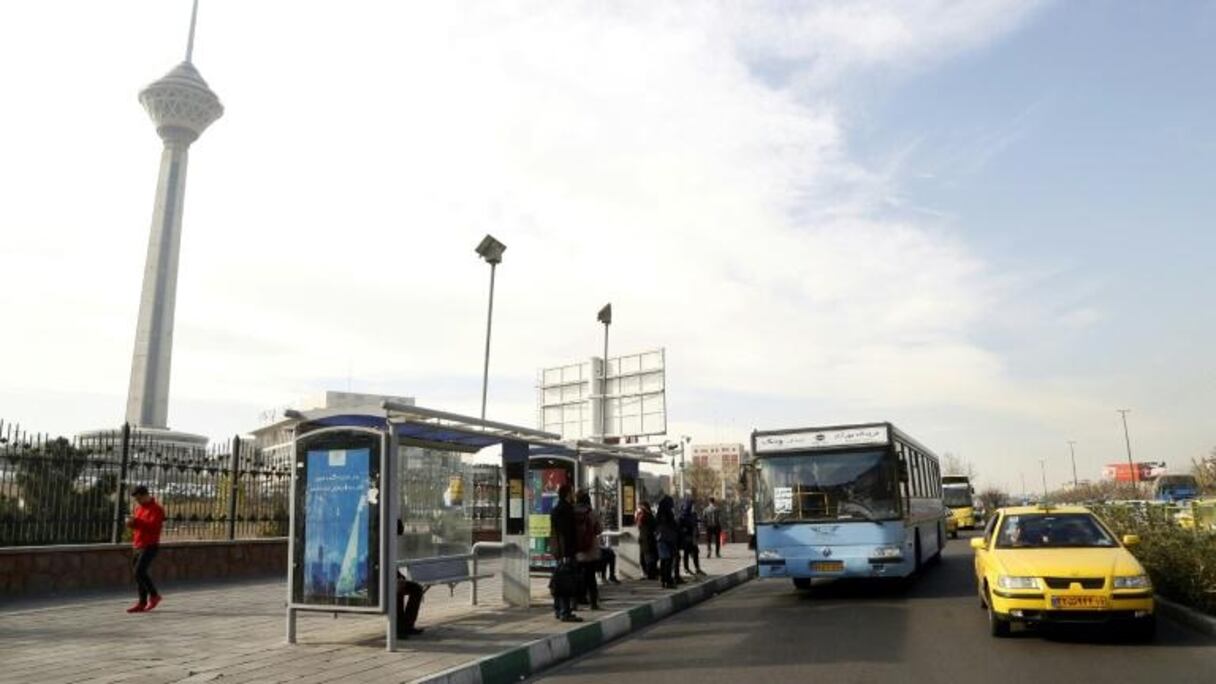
(516, 560)
(628, 548)
(390, 504)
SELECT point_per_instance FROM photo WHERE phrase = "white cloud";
(687, 162)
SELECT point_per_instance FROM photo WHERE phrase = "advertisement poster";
(543, 484)
(337, 522)
(516, 499)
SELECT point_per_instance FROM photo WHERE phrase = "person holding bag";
(588, 527)
(563, 544)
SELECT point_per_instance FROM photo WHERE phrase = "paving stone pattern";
(234, 633)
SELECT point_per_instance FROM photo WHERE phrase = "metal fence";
(76, 491)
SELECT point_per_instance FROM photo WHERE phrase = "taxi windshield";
(1052, 530)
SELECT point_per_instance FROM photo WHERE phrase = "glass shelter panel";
(438, 506)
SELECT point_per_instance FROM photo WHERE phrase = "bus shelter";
(359, 473)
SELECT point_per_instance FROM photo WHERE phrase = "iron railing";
(76, 491)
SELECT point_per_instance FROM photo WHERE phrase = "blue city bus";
(1174, 488)
(845, 501)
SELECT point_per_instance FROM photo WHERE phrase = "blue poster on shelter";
(336, 563)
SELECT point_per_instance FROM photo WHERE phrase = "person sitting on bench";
(409, 600)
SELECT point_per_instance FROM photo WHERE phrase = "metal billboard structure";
(572, 399)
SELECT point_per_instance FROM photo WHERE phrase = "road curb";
(1200, 622)
(535, 656)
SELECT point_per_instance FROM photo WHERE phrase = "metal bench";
(449, 570)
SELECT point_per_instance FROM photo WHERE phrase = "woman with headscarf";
(588, 525)
(647, 544)
(667, 538)
(688, 536)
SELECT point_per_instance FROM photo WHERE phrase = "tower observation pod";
(181, 106)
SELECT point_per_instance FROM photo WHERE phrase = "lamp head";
(491, 250)
(605, 315)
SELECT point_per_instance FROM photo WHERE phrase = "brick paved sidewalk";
(235, 633)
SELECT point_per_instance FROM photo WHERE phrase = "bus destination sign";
(823, 439)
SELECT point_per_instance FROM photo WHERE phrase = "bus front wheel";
(802, 583)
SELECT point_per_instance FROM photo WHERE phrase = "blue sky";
(987, 221)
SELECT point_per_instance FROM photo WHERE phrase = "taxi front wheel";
(997, 626)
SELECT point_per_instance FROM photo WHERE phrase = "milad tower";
(182, 107)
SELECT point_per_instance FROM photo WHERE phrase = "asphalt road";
(932, 631)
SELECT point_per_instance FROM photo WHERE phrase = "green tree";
(61, 497)
(704, 480)
(1204, 471)
(993, 498)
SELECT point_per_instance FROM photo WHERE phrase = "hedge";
(1181, 562)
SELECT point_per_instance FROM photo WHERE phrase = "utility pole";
(1043, 470)
(1073, 452)
(1127, 440)
(1023, 475)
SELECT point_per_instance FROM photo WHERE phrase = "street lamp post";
(1073, 452)
(605, 317)
(491, 250)
(677, 484)
(1043, 471)
(1127, 440)
(684, 439)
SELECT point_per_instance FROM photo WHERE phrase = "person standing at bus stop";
(713, 528)
(563, 544)
(146, 522)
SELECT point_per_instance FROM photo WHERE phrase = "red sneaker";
(153, 601)
(137, 608)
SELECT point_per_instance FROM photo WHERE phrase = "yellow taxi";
(1059, 564)
(951, 524)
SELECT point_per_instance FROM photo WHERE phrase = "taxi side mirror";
(1131, 539)
(977, 543)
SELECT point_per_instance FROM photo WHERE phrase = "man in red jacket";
(145, 523)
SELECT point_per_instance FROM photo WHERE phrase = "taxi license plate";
(1080, 602)
(827, 566)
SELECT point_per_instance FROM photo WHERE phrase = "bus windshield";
(849, 485)
(956, 497)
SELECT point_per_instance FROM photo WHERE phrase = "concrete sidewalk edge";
(535, 656)
(1196, 620)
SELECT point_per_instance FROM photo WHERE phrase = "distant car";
(951, 524)
(1058, 565)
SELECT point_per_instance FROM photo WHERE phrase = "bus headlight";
(770, 555)
(1011, 582)
(1133, 582)
(887, 552)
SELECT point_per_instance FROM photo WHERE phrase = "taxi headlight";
(887, 552)
(1133, 582)
(769, 554)
(1011, 582)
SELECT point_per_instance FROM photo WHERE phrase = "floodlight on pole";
(605, 316)
(491, 250)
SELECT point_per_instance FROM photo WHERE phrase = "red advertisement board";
(1123, 472)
